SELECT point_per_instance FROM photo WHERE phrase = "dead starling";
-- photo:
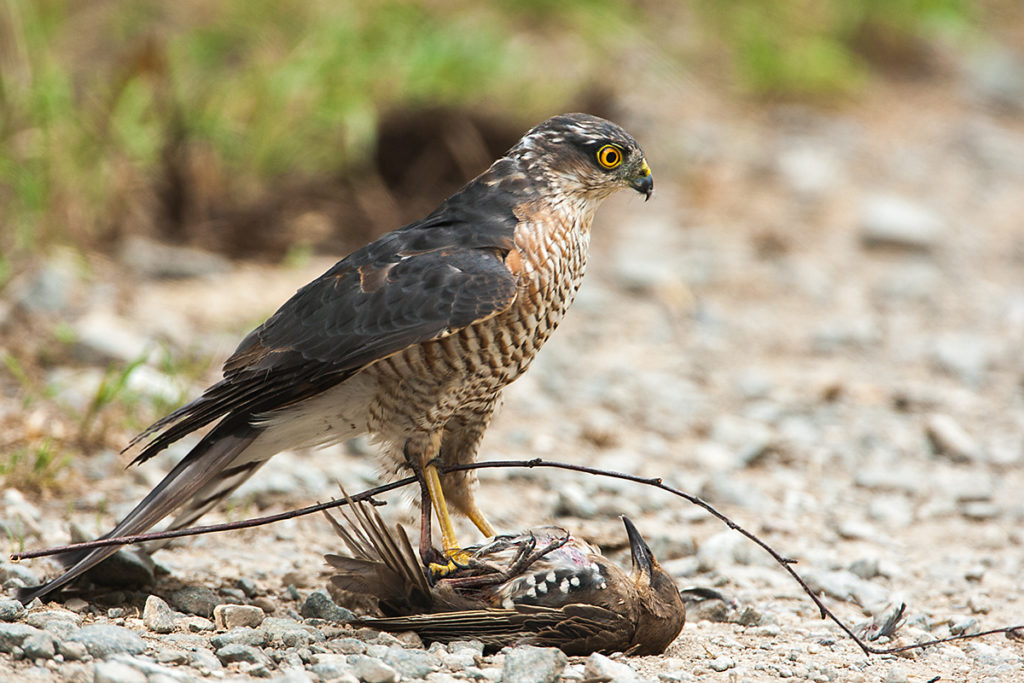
(542, 587)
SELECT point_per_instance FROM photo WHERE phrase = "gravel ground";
(815, 325)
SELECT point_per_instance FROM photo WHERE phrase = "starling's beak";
(643, 558)
(643, 182)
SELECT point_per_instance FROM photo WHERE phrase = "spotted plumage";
(543, 587)
(410, 339)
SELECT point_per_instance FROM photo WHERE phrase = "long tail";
(210, 472)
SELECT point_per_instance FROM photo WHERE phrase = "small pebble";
(157, 615)
(197, 600)
(319, 605)
(117, 672)
(895, 675)
(104, 640)
(234, 616)
(529, 664)
(722, 664)
(11, 610)
(236, 652)
(14, 635)
(599, 666)
(370, 670)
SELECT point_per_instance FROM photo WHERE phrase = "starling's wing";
(576, 629)
(383, 563)
(416, 284)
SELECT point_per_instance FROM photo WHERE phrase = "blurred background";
(817, 317)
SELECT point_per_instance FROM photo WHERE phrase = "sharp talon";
(459, 559)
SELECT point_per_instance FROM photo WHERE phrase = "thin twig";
(211, 528)
(656, 482)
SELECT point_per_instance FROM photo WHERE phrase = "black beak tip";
(643, 558)
(644, 185)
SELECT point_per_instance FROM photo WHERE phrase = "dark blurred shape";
(542, 587)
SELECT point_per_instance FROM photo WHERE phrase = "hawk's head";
(584, 156)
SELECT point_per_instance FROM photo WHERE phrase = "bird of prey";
(409, 339)
(542, 587)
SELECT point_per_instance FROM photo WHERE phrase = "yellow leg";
(443, 518)
(479, 520)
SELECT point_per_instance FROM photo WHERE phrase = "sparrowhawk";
(410, 339)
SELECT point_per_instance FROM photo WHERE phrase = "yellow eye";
(609, 156)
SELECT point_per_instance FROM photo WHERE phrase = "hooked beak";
(643, 183)
(643, 558)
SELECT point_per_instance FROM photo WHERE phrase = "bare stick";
(212, 528)
(785, 562)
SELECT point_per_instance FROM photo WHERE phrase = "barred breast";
(425, 386)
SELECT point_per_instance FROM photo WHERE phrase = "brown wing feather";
(418, 283)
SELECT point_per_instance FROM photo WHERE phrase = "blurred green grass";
(95, 96)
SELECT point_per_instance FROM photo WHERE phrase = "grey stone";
(865, 568)
(289, 632)
(16, 570)
(573, 501)
(153, 671)
(102, 335)
(600, 667)
(71, 650)
(895, 675)
(127, 568)
(234, 616)
(979, 510)
(808, 171)
(39, 645)
(236, 652)
(299, 675)
(170, 655)
(117, 672)
(104, 640)
(197, 600)
(75, 673)
(247, 586)
(722, 663)
(845, 585)
(15, 635)
(11, 610)
(727, 548)
(157, 615)
(949, 439)
(963, 355)
(242, 635)
(155, 260)
(347, 646)
(408, 639)
(995, 77)
(331, 667)
(529, 664)
(410, 664)
(204, 661)
(48, 290)
(894, 222)
(370, 670)
(475, 647)
(319, 605)
(198, 624)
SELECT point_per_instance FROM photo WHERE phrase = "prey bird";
(410, 339)
(543, 587)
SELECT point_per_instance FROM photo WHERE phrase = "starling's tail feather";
(206, 475)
